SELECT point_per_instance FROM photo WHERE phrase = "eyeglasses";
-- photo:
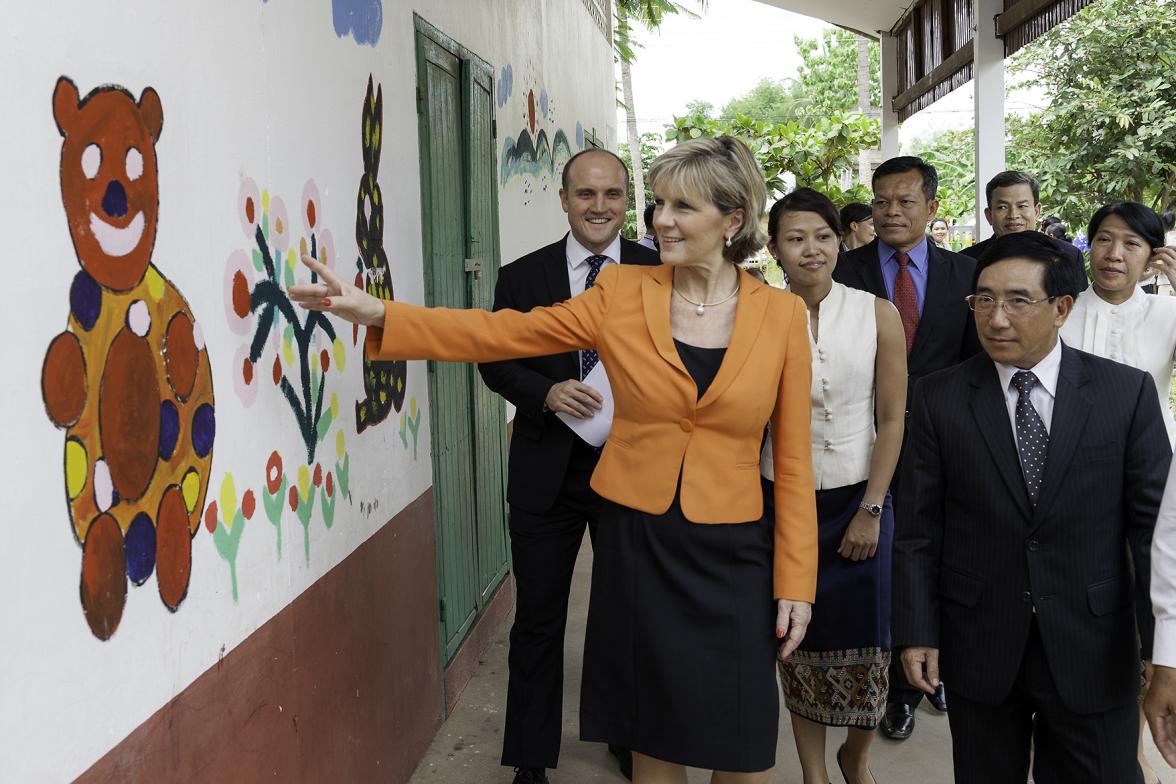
(1013, 306)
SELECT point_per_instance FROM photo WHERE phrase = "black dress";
(680, 650)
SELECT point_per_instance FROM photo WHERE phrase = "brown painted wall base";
(343, 684)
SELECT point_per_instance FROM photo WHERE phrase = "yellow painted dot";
(265, 201)
(291, 258)
(228, 499)
(340, 444)
(77, 467)
(154, 284)
(191, 489)
(334, 406)
(314, 362)
(412, 408)
(303, 482)
(340, 354)
(288, 352)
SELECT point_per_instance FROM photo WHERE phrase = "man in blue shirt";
(927, 285)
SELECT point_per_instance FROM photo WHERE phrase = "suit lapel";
(556, 270)
(871, 270)
(749, 315)
(933, 297)
(992, 419)
(1071, 408)
(656, 288)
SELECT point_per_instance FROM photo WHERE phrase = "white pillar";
(988, 88)
(889, 90)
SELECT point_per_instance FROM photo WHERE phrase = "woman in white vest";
(838, 676)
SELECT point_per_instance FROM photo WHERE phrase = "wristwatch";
(874, 509)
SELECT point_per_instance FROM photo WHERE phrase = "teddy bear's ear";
(152, 111)
(65, 104)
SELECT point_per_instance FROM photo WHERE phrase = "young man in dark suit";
(1032, 482)
(1014, 204)
(549, 467)
(928, 285)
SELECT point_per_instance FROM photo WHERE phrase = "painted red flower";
(325, 359)
(210, 515)
(273, 473)
(248, 505)
(293, 498)
(330, 484)
(318, 474)
(277, 371)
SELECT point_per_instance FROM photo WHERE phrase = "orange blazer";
(660, 427)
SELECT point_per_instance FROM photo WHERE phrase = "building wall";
(247, 562)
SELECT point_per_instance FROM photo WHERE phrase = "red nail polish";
(779, 633)
(326, 302)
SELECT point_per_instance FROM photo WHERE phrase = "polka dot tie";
(1032, 438)
(588, 357)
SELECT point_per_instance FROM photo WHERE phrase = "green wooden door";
(489, 409)
(459, 207)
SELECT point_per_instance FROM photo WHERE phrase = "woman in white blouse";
(838, 675)
(1115, 318)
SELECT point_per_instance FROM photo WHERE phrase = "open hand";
(1160, 709)
(792, 620)
(574, 398)
(334, 296)
(861, 537)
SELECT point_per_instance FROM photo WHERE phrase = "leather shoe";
(938, 700)
(531, 776)
(624, 759)
(899, 721)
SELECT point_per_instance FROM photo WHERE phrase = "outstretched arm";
(398, 330)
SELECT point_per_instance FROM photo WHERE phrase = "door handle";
(474, 265)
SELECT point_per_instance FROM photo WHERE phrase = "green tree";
(952, 153)
(776, 101)
(649, 14)
(1108, 131)
(818, 154)
(827, 84)
(651, 147)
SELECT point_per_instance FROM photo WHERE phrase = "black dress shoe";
(624, 759)
(938, 700)
(899, 721)
(531, 776)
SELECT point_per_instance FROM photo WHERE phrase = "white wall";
(268, 92)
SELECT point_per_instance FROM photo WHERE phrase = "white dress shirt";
(1042, 396)
(1140, 332)
(578, 268)
(578, 257)
(1163, 576)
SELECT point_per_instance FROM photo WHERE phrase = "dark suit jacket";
(540, 445)
(974, 561)
(947, 331)
(1077, 264)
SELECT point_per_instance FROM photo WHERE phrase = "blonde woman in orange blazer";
(679, 660)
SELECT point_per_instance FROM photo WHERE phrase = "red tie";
(905, 300)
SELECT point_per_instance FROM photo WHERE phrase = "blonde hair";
(724, 172)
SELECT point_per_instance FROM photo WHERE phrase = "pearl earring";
(728, 242)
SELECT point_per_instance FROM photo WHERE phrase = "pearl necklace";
(700, 307)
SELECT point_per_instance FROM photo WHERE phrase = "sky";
(727, 51)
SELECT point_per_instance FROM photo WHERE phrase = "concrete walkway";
(467, 747)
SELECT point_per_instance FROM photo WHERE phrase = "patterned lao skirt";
(838, 676)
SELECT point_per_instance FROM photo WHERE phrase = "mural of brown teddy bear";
(129, 379)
